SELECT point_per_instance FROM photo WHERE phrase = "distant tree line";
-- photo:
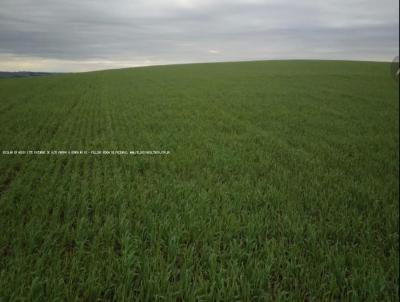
(22, 74)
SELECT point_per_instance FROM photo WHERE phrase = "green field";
(281, 184)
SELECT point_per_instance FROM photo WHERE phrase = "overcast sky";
(81, 35)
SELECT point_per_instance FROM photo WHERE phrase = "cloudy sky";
(82, 35)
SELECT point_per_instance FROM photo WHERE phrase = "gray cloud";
(80, 35)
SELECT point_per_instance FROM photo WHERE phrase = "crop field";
(280, 184)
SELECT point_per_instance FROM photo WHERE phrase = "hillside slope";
(281, 183)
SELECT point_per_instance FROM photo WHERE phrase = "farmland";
(281, 183)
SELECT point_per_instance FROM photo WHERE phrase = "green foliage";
(281, 184)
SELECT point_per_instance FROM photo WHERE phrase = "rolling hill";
(278, 181)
